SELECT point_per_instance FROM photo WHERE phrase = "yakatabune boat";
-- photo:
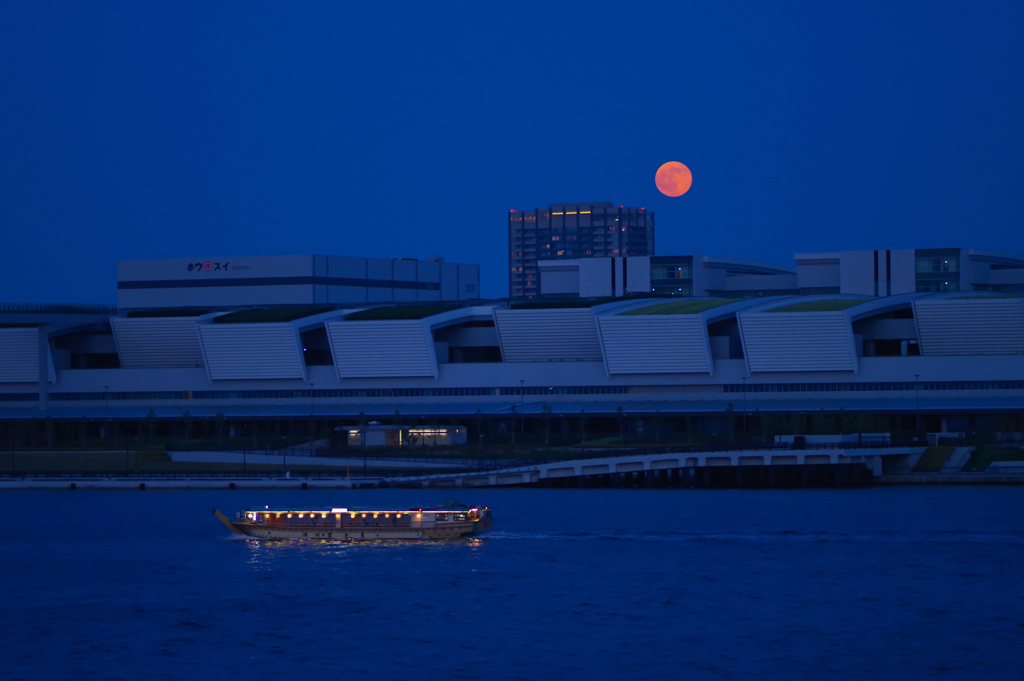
(450, 521)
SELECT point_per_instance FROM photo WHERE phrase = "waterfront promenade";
(817, 466)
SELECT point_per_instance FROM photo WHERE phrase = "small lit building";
(376, 435)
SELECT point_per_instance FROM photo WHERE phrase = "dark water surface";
(895, 583)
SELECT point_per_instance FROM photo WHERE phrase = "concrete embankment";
(181, 483)
(687, 469)
(956, 479)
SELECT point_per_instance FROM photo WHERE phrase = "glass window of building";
(672, 275)
(937, 270)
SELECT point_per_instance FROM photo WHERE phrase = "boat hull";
(452, 531)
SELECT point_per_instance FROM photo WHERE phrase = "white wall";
(238, 268)
(903, 271)
(469, 282)
(712, 279)
(972, 272)
(1006, 277)
(595, 277)
(857, 273)
(820, 274)
(638, 275)
(755, 282)
(564, 279)
(456, 281)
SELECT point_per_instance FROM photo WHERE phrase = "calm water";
(597, 584)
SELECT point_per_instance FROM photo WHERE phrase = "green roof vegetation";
(933, 459)
(835, 305)
(692, 306)
(145, 314)
(982, 457)
(562, 303)
(401, 312)
(272, 315)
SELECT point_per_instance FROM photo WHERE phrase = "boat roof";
(358, 509)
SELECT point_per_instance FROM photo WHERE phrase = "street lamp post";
(917, 400)
(312, 433)
(522, 413)
(106, 413)
(744, 406)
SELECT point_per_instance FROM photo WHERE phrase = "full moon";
(673, 179)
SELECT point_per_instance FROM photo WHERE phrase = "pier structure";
(738, 468)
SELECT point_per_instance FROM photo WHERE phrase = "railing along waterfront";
(491, 461)
(584, 452)
(45, 308)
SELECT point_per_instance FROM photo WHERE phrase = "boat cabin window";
(440, 516)
(459, 517)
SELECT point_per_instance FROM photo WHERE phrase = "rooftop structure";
(835, 346)
(959, 352)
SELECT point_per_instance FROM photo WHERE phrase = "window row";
(512, 391)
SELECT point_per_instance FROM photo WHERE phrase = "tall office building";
(568, 231)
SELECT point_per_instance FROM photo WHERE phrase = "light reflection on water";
(263, 549)
(802, 584)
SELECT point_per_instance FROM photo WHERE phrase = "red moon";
(673, 179)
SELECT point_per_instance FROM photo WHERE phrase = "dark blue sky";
(147, 130)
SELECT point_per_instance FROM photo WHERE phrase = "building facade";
(876, 273)
(670, 275)
(230, 282)
(948, 356)
(572, 231)
(951, 356)
(895, 272)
